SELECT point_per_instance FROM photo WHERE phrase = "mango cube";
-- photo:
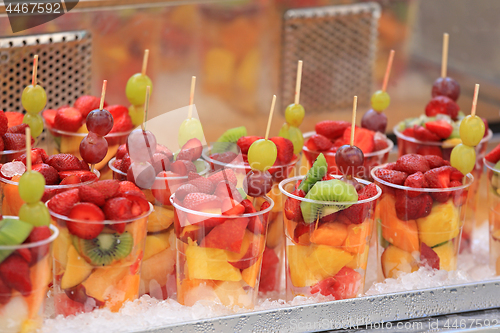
(442, 224)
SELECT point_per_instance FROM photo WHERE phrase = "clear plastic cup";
(419, 226)
(103, 272)
(271, 277)
(24, 312)
(493, 175)
(11, 202)
(219, 257)
(409, 145)
(330, 255)
(371, 160)
(158, 264)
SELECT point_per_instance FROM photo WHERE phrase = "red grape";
(100, 122)
(350, 180)
(93, 148)
(374, 121)
(141, 174)
(257, 183)
(446, 87)
(141, 145)
(349, 160)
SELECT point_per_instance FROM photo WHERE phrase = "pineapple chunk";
(160, 219)
(447, 256)
(394, 261)
(441, 225)
(326, 261)
(155, 244)
(101, 283)
(210, 264)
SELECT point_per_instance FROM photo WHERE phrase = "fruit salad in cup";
(420, 214)
(328, 226)
(493, 173)
(220, 242)
(61, 172)
(329, 135)
(97, 257)
(24, 273)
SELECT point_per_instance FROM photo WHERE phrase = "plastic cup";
(330, 255)
(419, 226)
(272, 272)
(84, 278)
(219, 257)
(371, 160)
(493, 175)
(24, 312)
(158, 264)
(409, 145)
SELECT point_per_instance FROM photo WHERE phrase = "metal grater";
(64, 67)
(337, 45)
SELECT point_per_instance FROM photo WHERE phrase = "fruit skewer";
(191, 127)
(136, 90)
(34, 99)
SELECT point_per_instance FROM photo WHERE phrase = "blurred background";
(243, 52)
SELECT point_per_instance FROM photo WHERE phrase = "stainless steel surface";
(64, 67)
(337, 45)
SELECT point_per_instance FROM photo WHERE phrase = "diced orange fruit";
(12, 199)
(100, 283)
(249, 275)
(275, 233)
(156, 243)
(441, 225)
(360, 260)
(77, 269)
(125, 290)
(394, 260)
(331, 233)
(157, 268)
(160, 219)
(40, 277)
(357, 236)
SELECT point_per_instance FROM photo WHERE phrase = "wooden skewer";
(145, 62)
(103, 94)
(353, 122)
(388, 70)
(191, 97)
(146, 108)
(28, 148)
(298, 82)
(35, 68)
(444, 60)
(474, 100)
(270, 116)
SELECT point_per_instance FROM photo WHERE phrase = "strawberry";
(36, 235)
(423, 134)
(369, 190)
(121, 125)
(413, 208)
(339, 142)
(165, 151)
(201, 201)
(494, 155)
(246, 141)
(182, 168)
(379, 141)
(203, 184)
(332, 129)
(4, 123)
(222, 190)
(415, 180)
(5, 292)
(49, 116)
(63, 202)
(49, 173)
(442, 105)
(109, 188)
(89, 194)
(14, 141)
(64, 162)
(38, 156)
(285, 149)
(14, 118)
(318, 142)
(86, 211)
(249, 208)
(86, 103)
(184, 190)
(258, 225)
(84, 176)
(2, 146)
(195, 147)
(390, 166)
(84, 166)
(126, 186)
(160, 162)
(434, 161)
(18, 129)
(345, 284)
(225, 158)
(71, 180)
(363, 138)
(412, 163)
(357, 213)
(231, 207)
(223, 174)
(68, 119)
(456, 175)
(438, 177)
(25, 253)
(428, 150)
(15, 272)
(184, 155)
(292, 206)
(440, 127)
(270, 265)
(391, 176)
(459, 196)
(302, 228)
(428, 256)
(49, 193)
(410, 131)
(117, 209)
(126, 163)
(121, 151)
(139, 203)
(117, 111)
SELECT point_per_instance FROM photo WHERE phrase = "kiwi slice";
(105, 248)
(227, 141)
(317, 172)
(13, 232)
(328, 190)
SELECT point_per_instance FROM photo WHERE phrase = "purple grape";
(141, 145)
(93, 148)
(100, 122)
(349, 160)
(257, 183)
(446, 87)
(374, 121)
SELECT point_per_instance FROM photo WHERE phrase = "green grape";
(136, 88)
(35, 122)
(472, 130)
(463, 158)
(262, 154)
(294, 114)
(34, 99)
(380, 101)
(293, 134)
(31, 186)
(36, 214)
(190, 128)
(136, 113)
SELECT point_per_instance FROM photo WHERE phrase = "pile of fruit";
(418, 214)
(493, 163)
(100, 246)
(12, 136)
(327, 244)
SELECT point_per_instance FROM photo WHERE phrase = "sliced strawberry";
(270, 265)
(14, 141)
(38, 234)
(318, 142)
(379, 141)
(25, 253)
(390, 166)
(49, 116)
(332, 129)
(292, 206)
(412, 163)
(410, 131)
(357, 213)
(89, 194)
(223, 175)
(162, 185)
(428, 256)
(459, 196)
(201, 201)
(246, 141)
(193, 175)
(126, 186)
(300, 229)
(285, 149)
(231, 207)
(87, 103)
(438, 177)
(184, 155)
(225, 190)
(38, 156)
(18, 129)
(203, 184)
(165, 151)
(49, 173)
(413, 208)
(109, 188)
(442, 105)
(416, 180)
(391, 176)
(258, 225)
(195, 148)
(49, 193)
(4, 123)
(121, 125)
(426, 150)
(434, 161)
(184, 190)
(14, 118)
(423, 134)
(93, 217)
(121, 151)
(160, 162)
(369, 190)
(456, 175)
(15, 272)
(494, 155)
(64, 162)
(5, 293)
(68, 119)
(126, 163)
(117, 111)
(363, 138)
(139, 204)
(182, 167)
(84, 176)
(118, 209)
(441, 128)
(345, 284)
(84, 166)
(224, 158)
(63, 202)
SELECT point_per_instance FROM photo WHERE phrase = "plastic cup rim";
(11, 152)
(58, 187)
(400, 135)
(490, 165)
(55, 233)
